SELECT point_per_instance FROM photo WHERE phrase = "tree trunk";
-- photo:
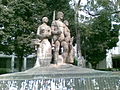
(78, 43)
(20, 63)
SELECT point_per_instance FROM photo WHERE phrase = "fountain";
(54, 71)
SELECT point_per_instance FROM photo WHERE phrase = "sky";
(83, 2)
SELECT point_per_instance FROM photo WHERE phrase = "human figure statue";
(57, 28)
(61, 42)
(44, 54)
(69, 52)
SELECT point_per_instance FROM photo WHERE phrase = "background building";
(9, 63)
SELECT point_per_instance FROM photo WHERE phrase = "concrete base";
(61, 77)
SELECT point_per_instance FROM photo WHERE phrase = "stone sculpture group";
(54, 44)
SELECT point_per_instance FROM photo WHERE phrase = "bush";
(4, 70)
(75, 61)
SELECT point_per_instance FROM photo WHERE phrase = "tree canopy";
(97, 34)
(19, 20)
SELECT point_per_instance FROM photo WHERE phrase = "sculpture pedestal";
(63, 77)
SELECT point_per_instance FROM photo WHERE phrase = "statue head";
(60, 15)
(66, 22)
(45, 20)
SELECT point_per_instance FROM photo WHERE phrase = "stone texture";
(44, 49)
(60, 77)
(54, 71)
(62, 40)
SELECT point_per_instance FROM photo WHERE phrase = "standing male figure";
(57, 28)
(69, 50)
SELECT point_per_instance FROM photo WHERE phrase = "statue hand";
(59, 32)
(36, 41)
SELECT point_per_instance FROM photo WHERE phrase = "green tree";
(64, 6)
(99, 36)
(21, 18)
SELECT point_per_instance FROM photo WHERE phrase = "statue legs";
(64, 45)
(70, 58)
(56, 51)
(63, 52)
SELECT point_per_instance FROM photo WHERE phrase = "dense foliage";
(97, 34)
(19, 20)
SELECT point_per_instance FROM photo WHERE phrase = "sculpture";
(57, 28)
(44, 54)
(61, 40)
(60, 49)
(69, 41)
